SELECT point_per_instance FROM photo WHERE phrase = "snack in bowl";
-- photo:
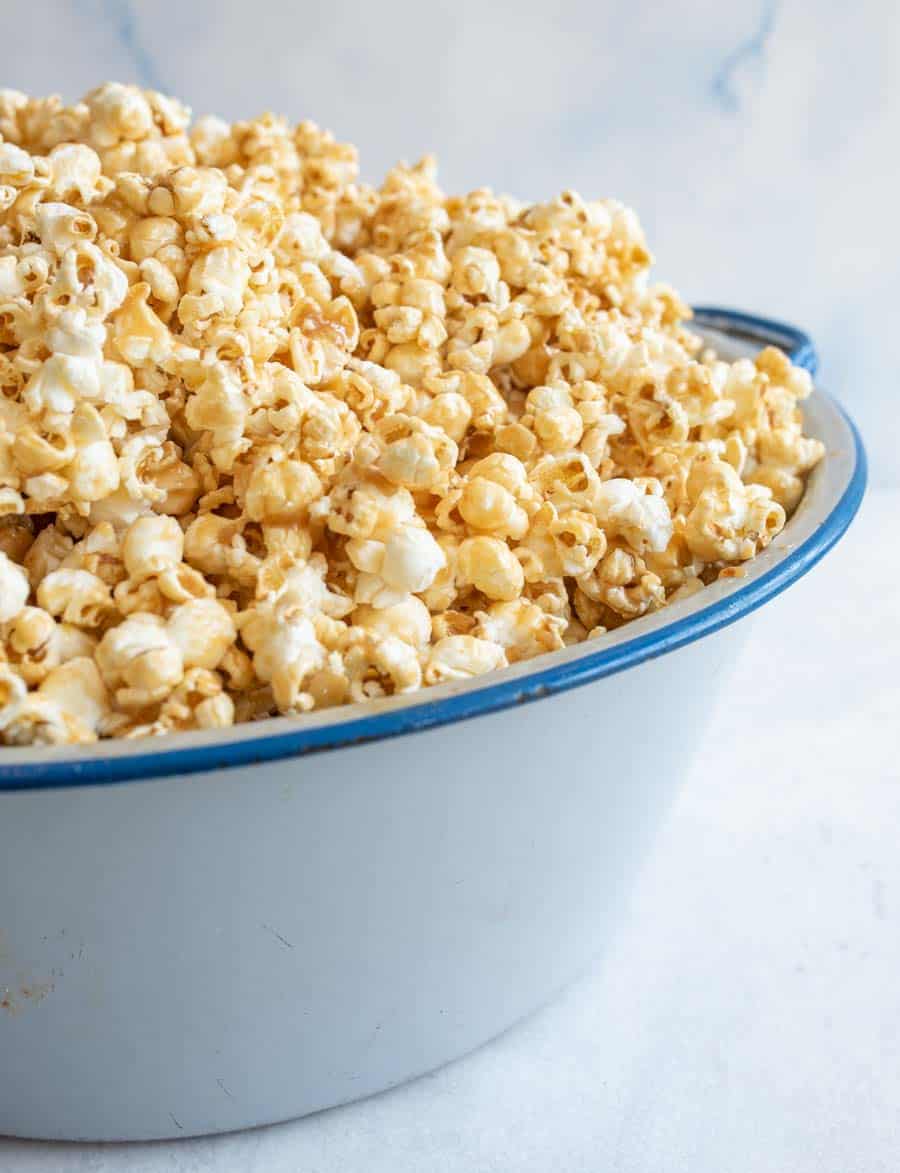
(273, 440)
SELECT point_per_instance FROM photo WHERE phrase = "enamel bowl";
(224, 929)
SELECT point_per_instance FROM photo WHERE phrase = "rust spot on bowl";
(14, 1000)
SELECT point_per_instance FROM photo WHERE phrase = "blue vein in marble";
(121, 14)
(749, 52)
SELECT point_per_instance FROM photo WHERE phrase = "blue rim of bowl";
(762, 332)
(296, 741)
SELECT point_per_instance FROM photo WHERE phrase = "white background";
(748, 1020)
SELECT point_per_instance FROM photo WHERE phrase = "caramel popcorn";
(273, 440)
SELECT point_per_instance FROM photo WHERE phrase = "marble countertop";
(748, 1017)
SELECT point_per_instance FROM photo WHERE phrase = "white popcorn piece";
(411, 560)
(642, 518)
(151, 545)
(14, 588)
(203, 630)
(77, 687)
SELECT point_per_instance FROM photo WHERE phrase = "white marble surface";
(757, 139)
(748, 1018)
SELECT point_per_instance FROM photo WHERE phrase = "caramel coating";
(272, 439)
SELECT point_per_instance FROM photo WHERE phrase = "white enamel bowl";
(225, 929)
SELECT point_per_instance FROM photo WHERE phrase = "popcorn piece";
(458, 657)
(381, 665)
(730, 521)
(521, 628)
(75, 596)
(627, 509)
(203, 631)
(198, 702)
(151, 545)
(14, 589)
(409, 621)
(40, 720)
(491, 567)
(413, 453)
(94, 471)
(77, 687)
(411, 560)
(12, 687)
(16, 165)
(286, 654)
(281, 492)
(140, 661)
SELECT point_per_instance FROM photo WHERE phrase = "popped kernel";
(273, 440)
(14, 589)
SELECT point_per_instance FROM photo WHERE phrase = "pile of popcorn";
(272, 439)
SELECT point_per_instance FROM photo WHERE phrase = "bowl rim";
(282, 737)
